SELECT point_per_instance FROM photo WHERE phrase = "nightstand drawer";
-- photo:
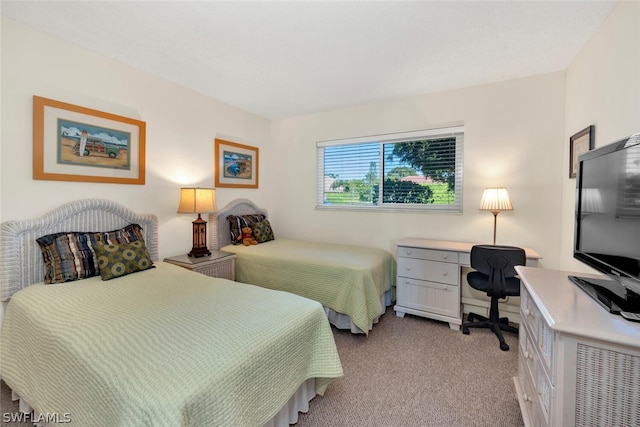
(225, 270)
(218, 264)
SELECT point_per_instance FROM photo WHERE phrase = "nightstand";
(218, 264)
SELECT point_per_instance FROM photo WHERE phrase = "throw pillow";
(122, 259)
(70, 256)
(130, 233)
(262, 231)
(238, 222)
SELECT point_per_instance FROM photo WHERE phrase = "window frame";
(453, 131)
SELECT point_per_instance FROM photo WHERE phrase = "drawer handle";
(408, 252)
(445, 257)
(444, 273)
(527, 312)
(527, 398)
(408, 268)
(528, 355)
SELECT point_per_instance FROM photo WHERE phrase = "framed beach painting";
(236, 165)
(73, 143)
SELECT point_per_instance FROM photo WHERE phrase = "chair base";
(497, 326)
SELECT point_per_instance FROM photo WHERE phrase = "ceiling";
(284, 59)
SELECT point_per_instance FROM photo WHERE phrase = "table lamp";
(198, 200)
(592, 201)
(495, 200)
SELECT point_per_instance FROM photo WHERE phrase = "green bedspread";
(164, 347)
(348, 279)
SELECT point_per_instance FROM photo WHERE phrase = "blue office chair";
(495, 274)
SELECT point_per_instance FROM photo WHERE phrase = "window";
(406, 171)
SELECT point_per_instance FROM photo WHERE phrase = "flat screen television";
(607, 223)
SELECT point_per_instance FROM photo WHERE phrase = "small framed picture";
(579, 143)
(236, 165)
(73, 143)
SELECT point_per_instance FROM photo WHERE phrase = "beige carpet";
(413, 372)
(417, 372)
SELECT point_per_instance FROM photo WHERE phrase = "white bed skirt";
(287, 415)
(342, 321)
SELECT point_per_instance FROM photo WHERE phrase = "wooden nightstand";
(218, 264)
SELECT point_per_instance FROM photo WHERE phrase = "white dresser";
(578, 364)
(428, 284)
(430, 278)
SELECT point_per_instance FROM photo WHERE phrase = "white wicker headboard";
(219, 234)
(21, 261)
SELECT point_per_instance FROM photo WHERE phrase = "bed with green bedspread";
(164, 347)
(348, 279)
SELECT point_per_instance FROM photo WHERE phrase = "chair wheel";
(465, 330)
(504, 346)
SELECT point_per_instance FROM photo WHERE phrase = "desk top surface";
(448, 245)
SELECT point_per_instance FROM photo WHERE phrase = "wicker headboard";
(21, 261)
(219, 234)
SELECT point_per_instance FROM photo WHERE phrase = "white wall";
(181, 128)
(517, 135)
(514, 133)
(602, 89)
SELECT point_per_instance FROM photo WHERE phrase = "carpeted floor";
(412, 372)
(418, 372)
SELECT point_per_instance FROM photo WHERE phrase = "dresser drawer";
(429, 297)
(531, 408)
(541, 334)
(529, 313)
(428, 254)
(433, 271)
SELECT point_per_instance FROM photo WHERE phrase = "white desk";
(578, 364)
(431, 281)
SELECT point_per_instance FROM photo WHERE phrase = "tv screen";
(607, 223)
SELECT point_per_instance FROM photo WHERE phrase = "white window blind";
(404, 171)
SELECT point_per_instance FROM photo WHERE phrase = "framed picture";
(236, 165)
(579, 143)
(72, 143)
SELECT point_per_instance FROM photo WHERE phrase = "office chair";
(495, 275)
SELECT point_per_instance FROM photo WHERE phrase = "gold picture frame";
(236, 165)
(580, 143)
(73, 143)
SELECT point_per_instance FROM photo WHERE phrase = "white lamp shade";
(592, 201)
(197, 200)
(495, 200)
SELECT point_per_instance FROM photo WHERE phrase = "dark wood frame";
(579, 143)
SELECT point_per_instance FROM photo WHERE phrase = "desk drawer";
(429, 297)
(442, 272)
(428, 254)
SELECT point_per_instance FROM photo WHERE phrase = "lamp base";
(199, 248)
(495, 223)
(199, 252)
